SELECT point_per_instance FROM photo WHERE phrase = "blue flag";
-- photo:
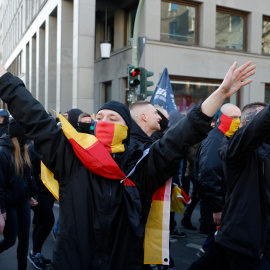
(163, 94)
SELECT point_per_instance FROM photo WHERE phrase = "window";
(267, 93)
(107, 93)
(191, 91)
(231, 29)
(131, 14)
(266, 35)
(110, 32)
(179, 21)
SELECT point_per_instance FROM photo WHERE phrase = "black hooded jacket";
(208, 171)
(14, 189)
(95, 230)
(245, 225)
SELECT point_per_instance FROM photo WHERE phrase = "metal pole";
(136, 35)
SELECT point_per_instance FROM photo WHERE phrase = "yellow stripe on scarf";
(120, 132)
(85, 141)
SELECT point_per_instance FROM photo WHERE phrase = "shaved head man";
(146, 116)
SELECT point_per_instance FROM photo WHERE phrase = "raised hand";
(233, 81)
(236, 78)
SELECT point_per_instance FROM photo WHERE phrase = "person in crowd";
(102, 218)
(163, 124)
(44, 217)
(86, 123)
(174, 118)
(73, 117)
(66, 114)
(244, 230)
(149, 124)
(245, 162)
(16, 188)
(4, 120)
(195, 198)
(208, 171)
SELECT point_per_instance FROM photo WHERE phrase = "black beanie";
(14, 129)
(120, 108)
(73, 116)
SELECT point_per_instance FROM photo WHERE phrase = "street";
(183, 250)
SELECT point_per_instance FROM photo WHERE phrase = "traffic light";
(133, 80)
(144, 83)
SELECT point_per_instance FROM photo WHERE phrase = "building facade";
(54, 46)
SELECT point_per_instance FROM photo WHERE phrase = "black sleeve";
(39, 126)
(166, 154)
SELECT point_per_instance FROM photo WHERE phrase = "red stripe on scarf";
(97, 160)
(106, 138)
(225, 123)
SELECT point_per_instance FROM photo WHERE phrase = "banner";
(163, 94)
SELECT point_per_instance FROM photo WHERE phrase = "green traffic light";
(144, 83)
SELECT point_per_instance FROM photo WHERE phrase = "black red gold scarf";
(228, 125)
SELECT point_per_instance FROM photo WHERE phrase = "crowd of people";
(109, 169)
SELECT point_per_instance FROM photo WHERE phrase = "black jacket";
(246, 214)
(209, 171)
(14, 189)
(3, 128)
(35, 161)
(95, 229)
(138, 137)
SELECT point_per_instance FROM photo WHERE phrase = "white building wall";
(50, 59)
(79, 77)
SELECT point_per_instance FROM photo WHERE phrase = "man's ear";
(143, 116)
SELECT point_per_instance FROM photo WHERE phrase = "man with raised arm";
(103, 186)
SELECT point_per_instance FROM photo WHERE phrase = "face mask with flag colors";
(228, 125)
(111, 135)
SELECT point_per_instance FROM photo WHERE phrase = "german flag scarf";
(97, 159)
(228, 125)
(94, 153)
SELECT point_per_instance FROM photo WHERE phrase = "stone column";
(32, 66)
(50, 63)
(40, 78)
(254, 35)
(207, 35)
(27, 70)
(83, 55)
(64, 55)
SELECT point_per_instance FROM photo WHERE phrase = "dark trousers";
(17, 224)
(207, 217)
(222, 258)
(195, 199)
(44, 221)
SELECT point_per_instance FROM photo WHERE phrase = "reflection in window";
(190, 93)
(267, 93)
(266, 35)
(178, 22)
(230, 31)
